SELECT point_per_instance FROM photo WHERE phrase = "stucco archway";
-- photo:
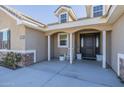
(105, 40)
(54, 50)
(55, 32)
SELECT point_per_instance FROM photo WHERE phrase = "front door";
(88, 46)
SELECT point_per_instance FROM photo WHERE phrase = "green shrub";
(12, 59)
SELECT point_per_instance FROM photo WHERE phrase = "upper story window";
(97, 10)
(63, 18)
(5, 39)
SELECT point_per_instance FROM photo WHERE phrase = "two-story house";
(101, 34)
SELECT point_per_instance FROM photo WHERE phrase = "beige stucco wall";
(108, 47)
(56, 51)
(23, 38)
(70, 19)
(36, 40)
(17, 43)
(117, 41)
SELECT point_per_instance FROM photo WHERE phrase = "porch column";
(71, 49)
(49, 48)
(104, 48)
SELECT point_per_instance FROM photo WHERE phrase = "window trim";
(6, 30)
(92, 12)
(64, 46)
(66, 18)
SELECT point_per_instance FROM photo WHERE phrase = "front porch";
(99, 44)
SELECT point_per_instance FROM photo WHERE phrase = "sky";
(45, 13)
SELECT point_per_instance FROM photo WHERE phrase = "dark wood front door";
(88, 46)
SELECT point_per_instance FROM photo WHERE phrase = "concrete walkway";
(60, 74)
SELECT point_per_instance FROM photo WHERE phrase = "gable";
(20, 17)
(6, 20)
(61, 11)
(66, 9)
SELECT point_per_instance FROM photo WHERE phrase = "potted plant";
(79, 56)
(61, 58)
(99, 57)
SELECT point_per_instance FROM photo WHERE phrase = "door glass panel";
(97, 42)
(82, 42)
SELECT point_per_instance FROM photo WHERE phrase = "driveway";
(60, 74)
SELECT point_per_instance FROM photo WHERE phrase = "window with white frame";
(63, 18)
(63, 40)
(97, 10)
(5, 39)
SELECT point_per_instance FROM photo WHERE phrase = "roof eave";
(115, 12)
(19, 18)
(31, 25)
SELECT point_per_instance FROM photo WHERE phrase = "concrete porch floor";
(60, 74)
